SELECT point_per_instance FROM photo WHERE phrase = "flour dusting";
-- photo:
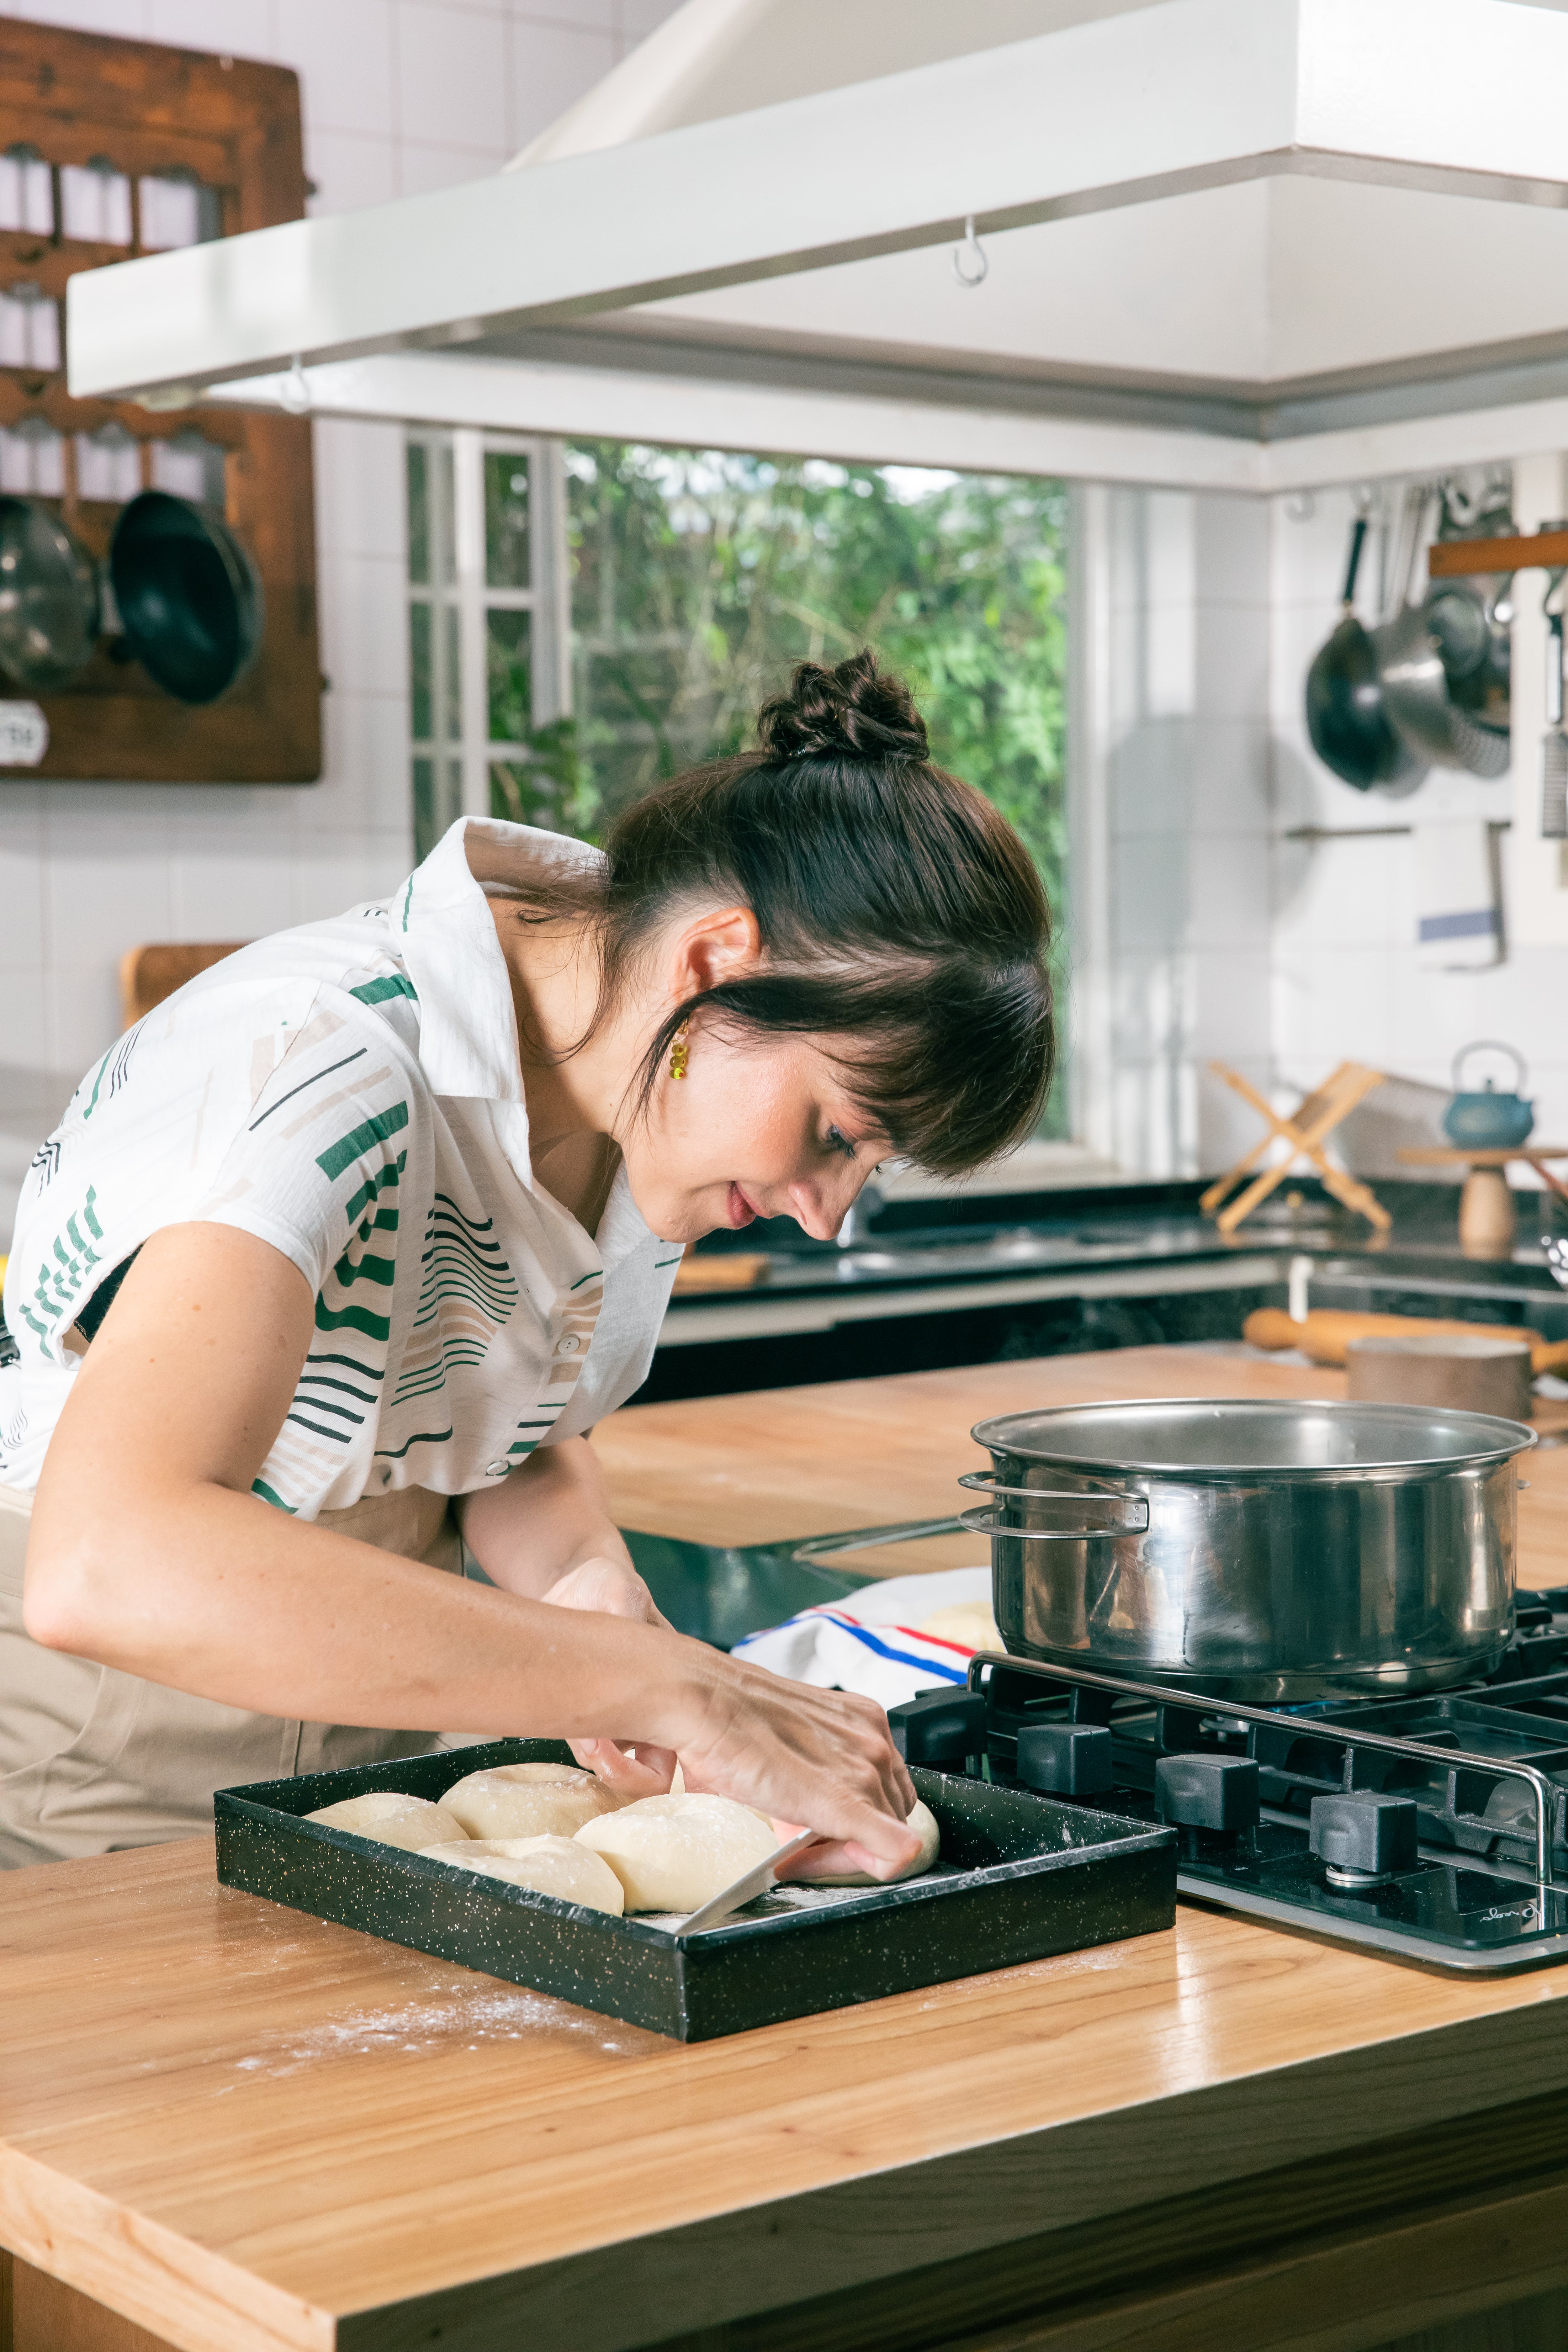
(459, 2021)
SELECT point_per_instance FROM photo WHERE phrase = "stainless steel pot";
(1255, 1551)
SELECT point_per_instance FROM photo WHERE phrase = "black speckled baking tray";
(1020, 1878)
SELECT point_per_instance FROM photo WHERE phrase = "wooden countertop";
(247, 2128)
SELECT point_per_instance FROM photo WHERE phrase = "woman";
(338, 1254)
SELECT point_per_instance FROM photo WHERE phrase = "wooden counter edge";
(182, 2292)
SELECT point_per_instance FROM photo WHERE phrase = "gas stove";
(1431, 1828)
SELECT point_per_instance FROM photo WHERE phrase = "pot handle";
(985, 1482)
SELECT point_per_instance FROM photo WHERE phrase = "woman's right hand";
(824, 1759)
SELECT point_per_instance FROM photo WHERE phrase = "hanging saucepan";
(1414, 652)
(1345, 716)
(49, 606)
(1253, 1550)
(189, 595)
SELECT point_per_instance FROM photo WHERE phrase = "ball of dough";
(393, 1818)
(551, 1865)
(675, 1854)
(968, 1623)
(515, 1800)
(923, 1820)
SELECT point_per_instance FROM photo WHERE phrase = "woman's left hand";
(612, 1588)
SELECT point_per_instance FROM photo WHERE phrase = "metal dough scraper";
(754, 1882)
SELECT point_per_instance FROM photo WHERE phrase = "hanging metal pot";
(189, 596)
(1443, 664)
(50, 603)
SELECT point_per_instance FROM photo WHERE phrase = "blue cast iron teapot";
(1488, 1121)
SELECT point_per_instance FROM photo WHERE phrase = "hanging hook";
(294, 392)
(980, 269)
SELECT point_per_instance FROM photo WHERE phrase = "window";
(625, 609)
(487, 634)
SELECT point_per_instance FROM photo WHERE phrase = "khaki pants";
(92, 1759)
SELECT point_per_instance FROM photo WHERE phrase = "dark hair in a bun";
(902, 919)
(854, 712)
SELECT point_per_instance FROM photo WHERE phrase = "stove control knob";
(1072, 1759)
(1207, 1792)
(940, 1727)
(1363, 1838)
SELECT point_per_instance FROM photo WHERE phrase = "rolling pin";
(1327, 1331)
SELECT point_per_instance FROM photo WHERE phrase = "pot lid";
(1219, 242)
(1245, 1437)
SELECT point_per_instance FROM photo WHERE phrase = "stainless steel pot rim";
(1045, 1437)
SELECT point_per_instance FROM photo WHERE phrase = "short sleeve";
(316, 1166)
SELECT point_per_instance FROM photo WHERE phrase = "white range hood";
(1254, 244)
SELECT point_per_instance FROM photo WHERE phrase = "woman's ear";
(714, 948)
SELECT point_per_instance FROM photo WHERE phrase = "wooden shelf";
(1462, 559)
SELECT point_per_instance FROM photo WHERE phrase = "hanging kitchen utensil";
(189, 596)
(1485, 1119)
(50, 603)
(1345, 717)
(1554, 742)
(1413, 678)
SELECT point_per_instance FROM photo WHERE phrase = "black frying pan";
(1350, 728)
(189, 596)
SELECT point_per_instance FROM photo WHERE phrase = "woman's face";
(759, 1127)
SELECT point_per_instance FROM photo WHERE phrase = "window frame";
(460, 750)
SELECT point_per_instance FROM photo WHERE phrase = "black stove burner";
(1391, 1822)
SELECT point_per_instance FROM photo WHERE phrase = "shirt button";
(569, 1344)
(497, 1469)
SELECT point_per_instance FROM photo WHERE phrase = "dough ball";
(516, 1800)
(551, 1865)
(968, 1623)
(923, 1820)
(674, 1853)
(393, 1818)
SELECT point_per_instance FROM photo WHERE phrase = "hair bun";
(854, 712)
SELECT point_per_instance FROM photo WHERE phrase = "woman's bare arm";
(149, 1552)
(548, 1517)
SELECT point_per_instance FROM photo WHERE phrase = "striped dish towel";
(870, 1641)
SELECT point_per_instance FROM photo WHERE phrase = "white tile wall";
(1189, 819)
(397, 95)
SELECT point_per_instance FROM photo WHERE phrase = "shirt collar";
(444, 933)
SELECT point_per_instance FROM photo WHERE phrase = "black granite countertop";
(1097, 1229)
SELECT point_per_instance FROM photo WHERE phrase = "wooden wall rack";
(1460, 559)
(79, 101)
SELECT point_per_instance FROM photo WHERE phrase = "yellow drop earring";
(678, 1049)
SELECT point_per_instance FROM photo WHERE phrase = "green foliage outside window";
(700, 579)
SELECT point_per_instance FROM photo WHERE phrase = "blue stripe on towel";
(883, 1649)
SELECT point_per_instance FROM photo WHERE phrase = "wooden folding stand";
(1306, 1132)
